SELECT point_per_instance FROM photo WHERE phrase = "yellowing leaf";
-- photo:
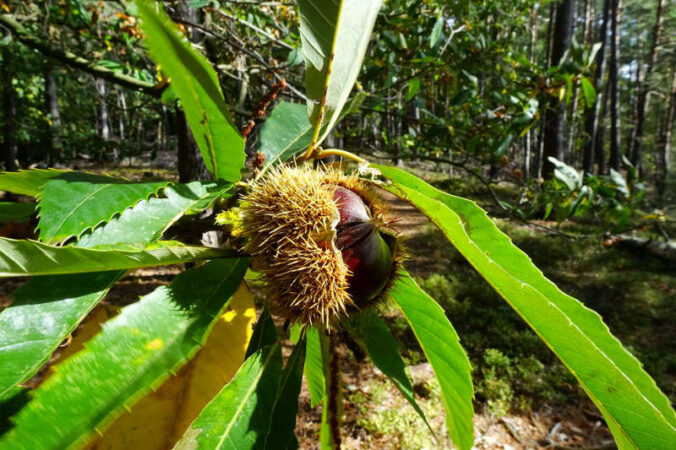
(159, 420)
(90, 326)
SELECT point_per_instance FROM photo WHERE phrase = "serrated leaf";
(146, 221)
(383, 349)
(74, 202)
(286, 132)
(44, 311)
(31, 258)
(16, 212)
(613, 378)
(47, 308)
(196, 84)
(334, 37)
(239, 416)
(27, 182)
(441, 346)
(285, 408)
(134, 352)
(168, 411)
(313, 368)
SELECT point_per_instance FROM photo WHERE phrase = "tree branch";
(68, 58)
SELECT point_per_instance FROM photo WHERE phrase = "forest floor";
(524, 397)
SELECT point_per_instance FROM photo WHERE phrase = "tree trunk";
(190, 164)
(9, 147)
(54, 117)
(122, 116)
(104, 116)
(555, 115)
(615, 161)
(594, 119)
(528, 139)
(664, 152)
(601, 134)
(539, 150)
(643, 98)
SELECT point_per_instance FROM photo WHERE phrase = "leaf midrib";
(252, 387)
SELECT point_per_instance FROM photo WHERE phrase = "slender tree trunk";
(9, 147)
(555, 115)
(601, 134)
(190, 164)
(528, 139)
(615, 161)
(122, 116)
(587, 34)
(54, 117)
(538, 163)
(104, 115)
(643, 98)
(594, 119)
(664, 152)
(631, 118)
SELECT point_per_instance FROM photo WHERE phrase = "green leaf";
(30, 258)
(334, 37)
(327, 439)
(286, 132)
(589, 92)
(16, 212)
(74, 202)
(45, 310)
(135, 351)
(435, 35)
(441, 346)
(239, 415)
(27, 182)
(196, 84)
(374, 335)
(285, 408)
(612, 377)
(413, 88)
(148, 219)
(313, 368)
(503, 146)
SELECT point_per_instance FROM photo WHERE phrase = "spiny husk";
(288, 220)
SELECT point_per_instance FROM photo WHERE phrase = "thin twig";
(256, 29)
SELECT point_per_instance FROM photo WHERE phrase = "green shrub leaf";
(327, 439)
(74, 202)
(314, 367)
(286, 132)
(27, 182)
(442, 348)
(285, 410)
(30, 258)
(135, 351)
(612, 377)
(148, 219)
(334, 37)
(16, 212)
(239, 415)
(196, 84)
(45, 310)
(374, 335)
